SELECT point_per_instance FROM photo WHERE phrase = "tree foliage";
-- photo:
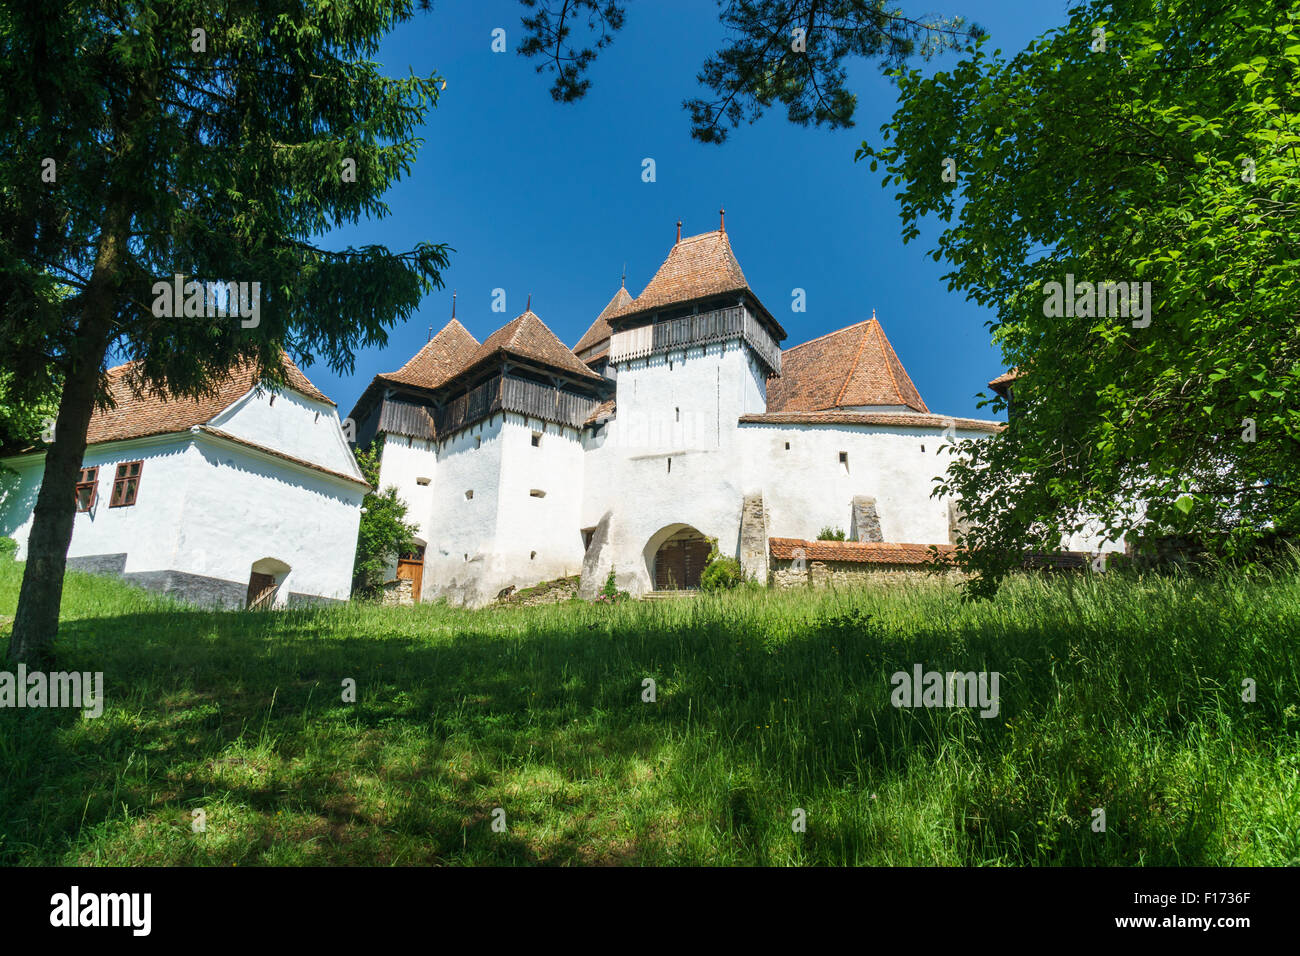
(144, 139)
(384, 534)
(1145, 141)
(791, 52)
(24, 415)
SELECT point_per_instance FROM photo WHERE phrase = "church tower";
(693, 352)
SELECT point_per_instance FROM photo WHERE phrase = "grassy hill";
(1116, 693)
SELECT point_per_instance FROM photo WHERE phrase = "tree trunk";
(36, 621)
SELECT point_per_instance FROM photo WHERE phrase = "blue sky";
(547, 199)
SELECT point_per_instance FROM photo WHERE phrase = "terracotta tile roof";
(696, 267)
(443, 356)
(855, 552)
(227, 436)
(835, 417)
(601, 412)
(137, 416)
(854, 366)
(1000, 383)
(528, 337)
(600, 330)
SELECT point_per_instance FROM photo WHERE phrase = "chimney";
(679, 230)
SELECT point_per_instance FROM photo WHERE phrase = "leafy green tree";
(790, 52)
(384, 534)
(830, 534)
(1146, 141)
(144, 139)
(24, 415)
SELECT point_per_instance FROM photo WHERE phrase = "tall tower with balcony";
(693, 352)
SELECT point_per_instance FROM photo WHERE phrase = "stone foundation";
(850, 574)
(397, 593)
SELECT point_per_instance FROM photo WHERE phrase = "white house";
(249, 496)
(675, 419)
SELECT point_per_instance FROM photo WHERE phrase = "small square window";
(478, 443)
(537, 439)
(421, 481)
(844, 458)
(87, 488)
(126, 483)
(537, 493)
(469, 494)
(787, 446)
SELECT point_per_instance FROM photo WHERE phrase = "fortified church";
(677, 417)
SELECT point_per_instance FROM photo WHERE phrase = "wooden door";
(679, 564)
(412, 568)
(697, 553)
(260, 588)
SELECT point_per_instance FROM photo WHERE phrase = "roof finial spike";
(529, 306)
(430, 338)
(679, 230)
(722, 213)
(873, 313)
(623, 283)
(453, 303)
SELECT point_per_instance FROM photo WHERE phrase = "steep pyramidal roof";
(696, 266)
(853, 367)
(445, 355)
(527, 337)
(600, 330)
(137, 416)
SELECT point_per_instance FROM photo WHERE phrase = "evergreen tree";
(144, 139)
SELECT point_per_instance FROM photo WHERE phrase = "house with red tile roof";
(248, 495)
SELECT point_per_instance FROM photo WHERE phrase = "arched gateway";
(677, 555)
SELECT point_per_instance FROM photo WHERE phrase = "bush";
(721, 574)
(8, 547)
(610, 594)
(383, 534)
(830, 534)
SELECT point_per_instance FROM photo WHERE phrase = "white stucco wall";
(686, 398)
(293, 424)
(208, 507)
(403, 462)
(462, 532)
(241, 507)
(148, 531)
(539, 539)
(806, 488)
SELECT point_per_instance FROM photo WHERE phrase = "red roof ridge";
(880, 334)
(818, 338)
(547, 348)
(857, 356)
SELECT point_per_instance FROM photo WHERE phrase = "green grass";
(1120, 693)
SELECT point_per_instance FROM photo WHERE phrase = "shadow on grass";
(550, 723)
